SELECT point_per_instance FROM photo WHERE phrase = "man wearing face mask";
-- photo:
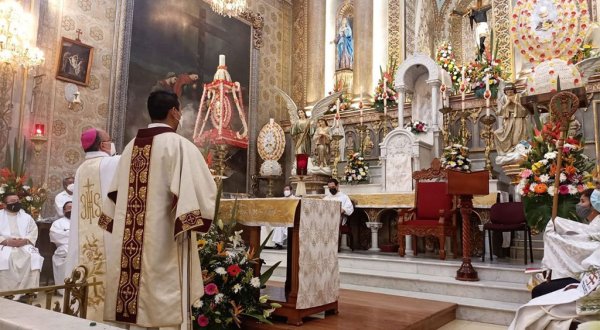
(86, 239)
(20, 261)
(64, 196)
(162, 194)
(59, 235)
(280, 233)
(346, 210)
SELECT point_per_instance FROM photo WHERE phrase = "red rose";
(202, 320)
(234, 270)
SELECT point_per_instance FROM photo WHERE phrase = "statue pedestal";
(374, 226)
(314, 183)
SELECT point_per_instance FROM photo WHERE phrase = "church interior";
(405, 164)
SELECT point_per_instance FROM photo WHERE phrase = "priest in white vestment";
(86, 239)
(20, 261)
(59, 235)
(64, 196)
(336, 195)
(163, 189)
(572, 248)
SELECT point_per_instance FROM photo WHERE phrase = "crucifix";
(477, 15)
(79, 33)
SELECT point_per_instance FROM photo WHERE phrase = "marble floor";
(467, 325)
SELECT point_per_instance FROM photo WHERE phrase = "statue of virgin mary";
(344, 46)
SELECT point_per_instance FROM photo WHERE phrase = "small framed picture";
(74, 61)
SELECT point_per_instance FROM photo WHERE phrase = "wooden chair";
(434, 212)
(508, 217)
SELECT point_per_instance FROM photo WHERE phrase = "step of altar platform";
(537, 242)
(493, 299)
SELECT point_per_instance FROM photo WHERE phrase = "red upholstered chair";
(434, 212)
(508, 217)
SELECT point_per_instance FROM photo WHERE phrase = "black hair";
(335, 181)
(9, 193)
(159, 104)
(65, 205)
(287, 186)
(94, 147)
(588, 193)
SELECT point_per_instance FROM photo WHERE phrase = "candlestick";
(361, 115)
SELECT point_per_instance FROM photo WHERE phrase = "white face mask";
(287, 193)
(71, 187)
(113, 149)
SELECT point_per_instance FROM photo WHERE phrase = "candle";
(337, 106)
(487, 95)
(443, 89)
(39, 129)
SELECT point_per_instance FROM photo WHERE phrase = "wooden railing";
(74, 297)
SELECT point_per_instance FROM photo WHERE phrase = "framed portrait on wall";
(179, 54)
(74, 61)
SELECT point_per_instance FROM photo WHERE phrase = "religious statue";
(301, 132)
(344, 45)
(514, 128)
(367, 145)
(478, 14)
(515, 155)
(322, 139)
(166, 84)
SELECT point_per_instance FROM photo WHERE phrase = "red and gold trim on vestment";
(191, 221)
(105, 222)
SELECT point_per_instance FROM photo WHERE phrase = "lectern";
(465, 185)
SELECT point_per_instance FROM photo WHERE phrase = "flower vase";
(479, 91)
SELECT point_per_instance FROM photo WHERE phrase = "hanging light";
(229, 8)
(15, 36)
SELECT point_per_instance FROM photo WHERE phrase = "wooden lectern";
(466, 185)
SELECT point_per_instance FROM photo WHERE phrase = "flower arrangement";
(386, 92)
(538, 177)
(14, 179)
(356, 169)
(456, 157)
(417, 127)
(445, 59)
(583, 52)
(476, 73)
(345, 102)
(230, 288)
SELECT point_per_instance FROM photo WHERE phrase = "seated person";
(59, 235)
(280, 233)
(64, 196)
(20, 261)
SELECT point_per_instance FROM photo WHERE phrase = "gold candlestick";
(361, 137)
(446, 112)
(383, 120)
(220, 152)
(464, 133)
(487, 135)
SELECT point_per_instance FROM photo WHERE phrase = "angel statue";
(322, 139)
(514, 120)
(303, 128)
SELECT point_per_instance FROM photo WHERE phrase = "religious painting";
(74, 61)
(344, 41)
(175, 47)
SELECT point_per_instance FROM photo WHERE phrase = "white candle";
(384, 95)
(221, 60)
(337, 106)
(488, 95)
(360, 106)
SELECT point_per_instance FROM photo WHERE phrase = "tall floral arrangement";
(356, 170)
(386, 92)
(231, 291)
(345, 102)
(445, 58)
(456, 157)
(538, 178)
(485, 64)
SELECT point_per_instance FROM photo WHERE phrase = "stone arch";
(406, 71)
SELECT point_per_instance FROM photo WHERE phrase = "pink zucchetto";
(88, 137)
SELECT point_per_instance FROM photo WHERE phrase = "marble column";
(315, 84)
(435, 96)
(374, 226)
(401, 97)
(363, 47)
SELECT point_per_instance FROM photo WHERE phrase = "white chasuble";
(162, 189)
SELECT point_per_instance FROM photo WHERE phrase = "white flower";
(255, 282)
(219, 298)
(198, 303)
(267, 312)
(349, 178)
(29, 198)
(263, 299)
(544, 161)
(550, 155)
(237, 288)
(465, 167)
(359, 177)
(563, 177)
(236, 238)
(2, 191)
(551, 190)
(26, 187)
(544, 178)
(532, 187)
(220, 271)
(572, 189)
(520, 187)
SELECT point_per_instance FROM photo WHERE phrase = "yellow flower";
(201, 243)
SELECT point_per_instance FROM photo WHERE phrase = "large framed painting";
(175, 45)
(74, 61)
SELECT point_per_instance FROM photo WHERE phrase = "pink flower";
(526, 173)
(563, 190)
(580, 188)
(202, 320)
(211, 288)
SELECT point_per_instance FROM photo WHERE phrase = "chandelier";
(16, 33)
(229, 8)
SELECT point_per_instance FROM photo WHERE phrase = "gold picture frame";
(74, 61)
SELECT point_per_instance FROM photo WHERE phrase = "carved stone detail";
(501, 11)
(395, 30)
(257, 22)
(299, 52)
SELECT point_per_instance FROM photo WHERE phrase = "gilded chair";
(434, 213)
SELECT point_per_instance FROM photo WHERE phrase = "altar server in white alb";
(163, 189)
(20, 261)
(59, 235)
(86, 239)
(336, 195)
(64, 196)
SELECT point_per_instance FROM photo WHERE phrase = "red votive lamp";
(39, 129)
(301, 164)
